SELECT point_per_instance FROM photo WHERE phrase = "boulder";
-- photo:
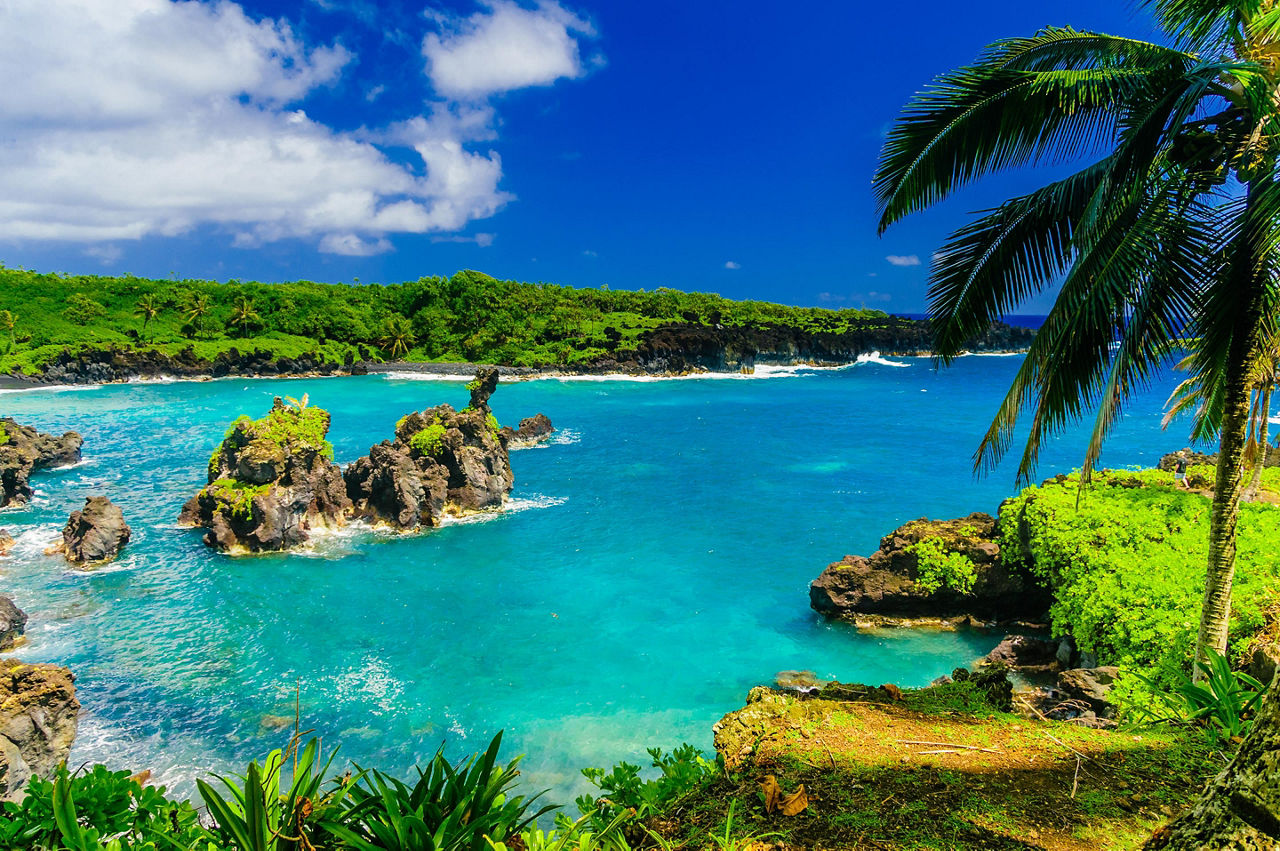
(23, 450)
(95, 533)
(38, 713)
(6, 542)
(1026, 654)
(884, 588)
(1091, 687)
(441, 462)
(1264, 661)
(13, 623)
(532, 431)
(271, 483)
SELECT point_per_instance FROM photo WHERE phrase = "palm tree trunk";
(1240, 808)
(1215, 612)
(1256, 482)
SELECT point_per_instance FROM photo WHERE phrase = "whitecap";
(874, 357)
(407, 375)
(511, 506)
(51, 388)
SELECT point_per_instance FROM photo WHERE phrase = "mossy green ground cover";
(469, 316)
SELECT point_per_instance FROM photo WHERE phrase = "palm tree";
(397, 336)
(1172, 226)
(147, 309)
(243, 316)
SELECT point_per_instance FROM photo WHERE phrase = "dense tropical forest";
(467, 317)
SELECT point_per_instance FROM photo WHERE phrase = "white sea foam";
(51, 388)
(410, 375)
(874, 357)
(157, 379)
(32, 540)
(511, 506)
(560, 437)
(83, 462)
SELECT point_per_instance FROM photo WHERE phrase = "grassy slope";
(996, 781)
(469, 316)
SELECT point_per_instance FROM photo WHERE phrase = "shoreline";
(462, 370)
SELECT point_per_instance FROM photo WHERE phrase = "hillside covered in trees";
(467, 317)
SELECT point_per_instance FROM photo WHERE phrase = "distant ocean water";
(653, 567)
(1020, 320)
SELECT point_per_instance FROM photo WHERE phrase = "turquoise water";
(653, 567)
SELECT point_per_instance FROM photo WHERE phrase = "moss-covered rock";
(272, 481)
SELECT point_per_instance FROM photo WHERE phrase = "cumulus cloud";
(903, 260)
(732, 265)
(151, 117)
(483, 240)
(503, 47)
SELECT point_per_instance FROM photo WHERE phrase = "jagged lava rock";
(13, 623)
(95, 533)
(882, 590)
(271, 482)
(1026, 653)
(23, 450)
(38, 713)
(441, 462)
(532, 431)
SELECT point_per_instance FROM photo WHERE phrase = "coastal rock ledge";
(95, 533)
(895, 587)
(38, 714)
(272, 482)
(23, 450)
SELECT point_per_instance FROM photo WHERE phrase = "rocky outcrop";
(679, 348)
(272, 482)
(897, 585)
(101, 366)
(95, 533)
(6, 542)
(1198, 459)
(13, 623)
(532, 431)
(23, 450)
(441, 462)
(1027, 654)
(38, 713)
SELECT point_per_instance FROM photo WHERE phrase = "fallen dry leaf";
(776, 800)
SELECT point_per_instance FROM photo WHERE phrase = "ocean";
(652, 566)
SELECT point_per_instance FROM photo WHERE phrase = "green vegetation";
(1223, 701)
(1127, 565)
(429, 440)
(236, 494)
(4, 435)
(292, 425)
(940, 567)
(469, 316)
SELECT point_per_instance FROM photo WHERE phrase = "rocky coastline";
(673, 349)
(23, 451)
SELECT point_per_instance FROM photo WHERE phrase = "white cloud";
(903, 260)
(732, 265)
(505, 47)
(107, 254)
(589, 253)
(483, 240)
(150, 117)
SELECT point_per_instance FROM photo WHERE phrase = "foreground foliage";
(469, 316)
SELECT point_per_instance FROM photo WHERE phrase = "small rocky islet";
(273, 482)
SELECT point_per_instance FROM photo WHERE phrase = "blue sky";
(716, 146)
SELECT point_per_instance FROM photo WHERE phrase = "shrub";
(81, 309)
(1127, 565)
(680, 773)
(429, 440)
(937, 567)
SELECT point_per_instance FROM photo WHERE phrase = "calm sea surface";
(652, 568)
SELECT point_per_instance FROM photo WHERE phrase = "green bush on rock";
(939, 567)
(429, 440)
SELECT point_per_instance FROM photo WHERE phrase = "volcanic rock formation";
(95, 533)
(38, 712)
(272, 481)
(886, 589)
(23, 450)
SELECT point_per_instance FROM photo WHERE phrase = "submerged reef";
(272, 481)
(23, 450)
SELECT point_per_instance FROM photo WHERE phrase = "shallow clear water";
(654, 565)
